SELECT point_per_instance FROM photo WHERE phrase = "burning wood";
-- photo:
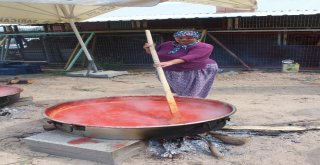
(211, 142)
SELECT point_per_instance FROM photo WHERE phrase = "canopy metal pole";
(4, 39)
(83, 46)
(7, 47)
(69, 66)
(2, 45)
(73, 53)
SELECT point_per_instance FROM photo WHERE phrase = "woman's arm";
(169, 63)
(146, 47)
(198, 52)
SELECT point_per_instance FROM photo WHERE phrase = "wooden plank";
(233, 140)
(170, 99)
(270, 128)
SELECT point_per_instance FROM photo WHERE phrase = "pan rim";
(17, 90)
(232, 107)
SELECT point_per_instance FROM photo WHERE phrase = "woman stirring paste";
(187, 64)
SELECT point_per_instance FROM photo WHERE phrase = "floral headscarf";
(191, 33)
(182, 33)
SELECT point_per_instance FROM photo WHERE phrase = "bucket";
(290, 66)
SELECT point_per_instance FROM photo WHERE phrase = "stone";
(111, 152)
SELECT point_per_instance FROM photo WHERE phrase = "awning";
(57, 11)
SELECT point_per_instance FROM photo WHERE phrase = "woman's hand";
(163, 64)
(146, 47)
(169, 63)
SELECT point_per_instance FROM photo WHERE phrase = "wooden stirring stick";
(170, 99)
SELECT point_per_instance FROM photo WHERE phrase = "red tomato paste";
(82, 140)
(140, 111)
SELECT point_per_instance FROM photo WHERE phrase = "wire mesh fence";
(121, 49)
(258, 49)
(278, 22)
(38, 47)
(268, 49)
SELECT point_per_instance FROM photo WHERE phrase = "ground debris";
(4, 112)
(172, 148)
(8, 112)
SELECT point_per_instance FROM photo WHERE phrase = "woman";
(187, 64)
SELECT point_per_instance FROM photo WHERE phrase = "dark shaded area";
(119, 43)
(16, 68)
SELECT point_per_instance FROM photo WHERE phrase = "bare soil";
(261, 98)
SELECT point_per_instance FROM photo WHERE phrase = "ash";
(8, 112)
(171, 148)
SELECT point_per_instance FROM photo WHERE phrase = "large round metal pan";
(9, 95)
(138, 117)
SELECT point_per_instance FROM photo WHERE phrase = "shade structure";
(230, 4)
(71, 11)
(57, 11)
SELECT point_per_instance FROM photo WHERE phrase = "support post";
(73, 53)
(229, 51)
(92, 65)
(79, 53)
(7, 47)
(2, 44)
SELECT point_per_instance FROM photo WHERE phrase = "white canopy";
(56, 11)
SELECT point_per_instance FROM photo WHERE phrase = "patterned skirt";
(196, 83)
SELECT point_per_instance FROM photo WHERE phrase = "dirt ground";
(261, 98)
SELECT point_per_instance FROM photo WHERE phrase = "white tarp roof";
(177, 10)
(58, 11)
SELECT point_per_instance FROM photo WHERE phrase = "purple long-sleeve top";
(195, 57)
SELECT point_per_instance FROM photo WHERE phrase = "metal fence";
(51, 48)
(268, 49)
(256, 49)
(278, 22)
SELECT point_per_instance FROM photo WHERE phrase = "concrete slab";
(98, 74)
(110, 152)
